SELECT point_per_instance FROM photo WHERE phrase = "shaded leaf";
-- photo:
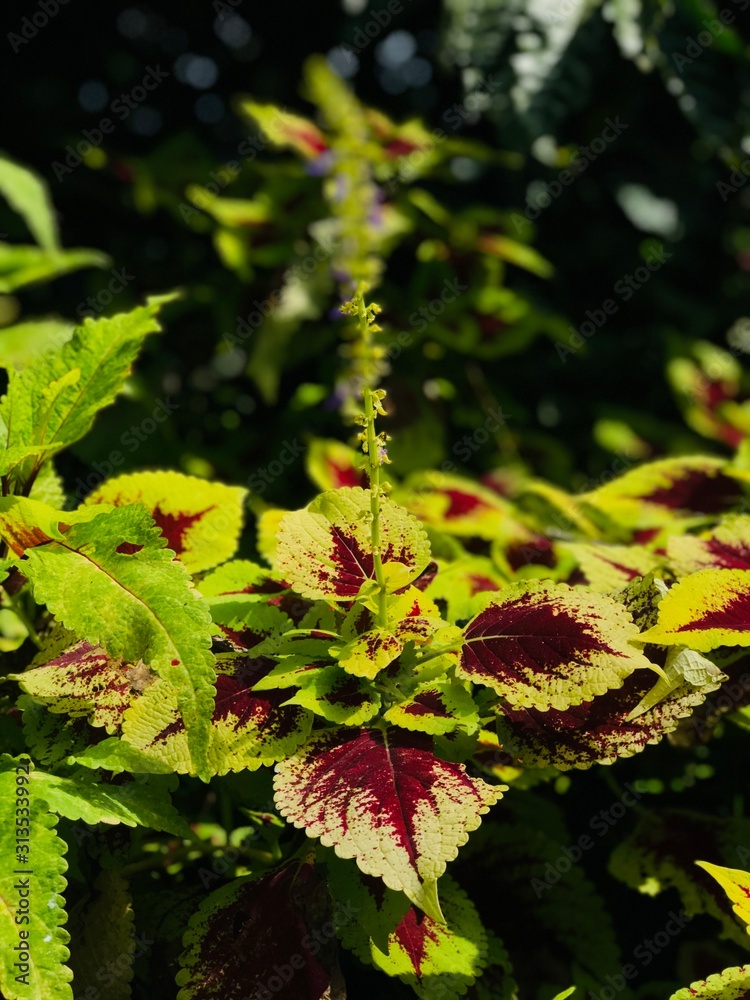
(48, 977)
(247, 931)
(661, 853)
(103, 941)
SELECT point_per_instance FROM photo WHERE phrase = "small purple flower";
(321, 164)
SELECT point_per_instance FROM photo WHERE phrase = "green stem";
(319, 633)
(438, 651)
(373, 465)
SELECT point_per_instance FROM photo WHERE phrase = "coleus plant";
(408, 654)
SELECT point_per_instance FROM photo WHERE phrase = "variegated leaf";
(435, 959)
(457, 506)
(656, 493)
(607, 568)
(84, 681)
(337, 696)
(437, 706)
(384, 799)
(201, 521)
(325, 550)
(727, 546)
(249, 729)
(412, 617)
(736, 884)
(705, 610)
(462, 585)
(597, 731)
(257, 934)
(543, 646)
(331, 465)
(731, 984)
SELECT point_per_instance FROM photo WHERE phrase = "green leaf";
(325, 550)
(52, 738)
(117, 756)
(26, 265)
(142, 802)
(52, 403)
(22, 343)
(111, 581)
(28, 194)
(103, 938)
(48, 977)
